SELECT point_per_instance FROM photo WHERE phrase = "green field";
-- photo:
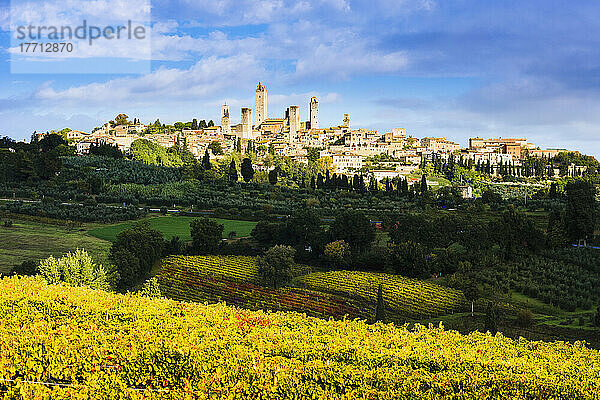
(174, 226)
(32, 241)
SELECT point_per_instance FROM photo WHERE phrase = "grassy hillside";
(175, 226)
(33, 241)
(91, 344)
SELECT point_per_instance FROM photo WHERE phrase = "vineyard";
(234, 280)
(404, 298)
(64, 343)
(237, 268)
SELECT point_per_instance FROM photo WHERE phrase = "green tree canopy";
(275, 266)
(247, 170)
(581, 210)
(206, 235)
(354, 228)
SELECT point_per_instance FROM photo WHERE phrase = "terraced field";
(403, 297)
(233, 279)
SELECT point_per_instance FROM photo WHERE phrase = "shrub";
(25, 268)
(525, 318)
(76, 269)
(150, 288)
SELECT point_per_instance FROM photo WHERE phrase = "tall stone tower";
(346, 122)
(314, 113)
(260, 104)
(225, 120)
(246, 123)
(294, 118)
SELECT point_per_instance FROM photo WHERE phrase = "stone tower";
(260, 104)
(346, 122)
(225, 120)
(294, 118)
(314, 113)
(246, 123)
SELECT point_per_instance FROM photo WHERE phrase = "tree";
(50, 142)
(247, 170)
(266, 233)
(515, 231)
(338, 253)
(150, 289)
(312, 154)
(492, 318)
(411, 259)
(273, 176)
(581, 210)
(25, 268)
(553, 190)
(275, 266)
(233, 173)
(354, 228)
(423, 184)
(380, 309)
(106, 150)
(121, 119)
(303, 230)
(556, 234)
(490, 197)
(194, 125)
(134, 253)
(320, 182)
(210, 123)
(175, 246)
(471, 292)
(206, 235)
(206, 161)
(215, 147)
(525, 318)
(75, 269)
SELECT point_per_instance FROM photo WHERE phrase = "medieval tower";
(346, 122)
(225, 121)
(246, 123)
(314, 113)
(260, 104)
(294, 120)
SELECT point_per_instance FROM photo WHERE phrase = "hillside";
(235, 280)
(93, 344)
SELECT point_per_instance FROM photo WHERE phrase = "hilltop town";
(348, 148)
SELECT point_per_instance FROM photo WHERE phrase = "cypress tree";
(206, 161)
(247, 170)
(423, 184)
(233, 173)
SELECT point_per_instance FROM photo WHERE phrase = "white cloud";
(207, 77)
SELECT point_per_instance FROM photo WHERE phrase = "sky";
(456, 68)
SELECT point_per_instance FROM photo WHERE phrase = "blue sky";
(446, 68)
